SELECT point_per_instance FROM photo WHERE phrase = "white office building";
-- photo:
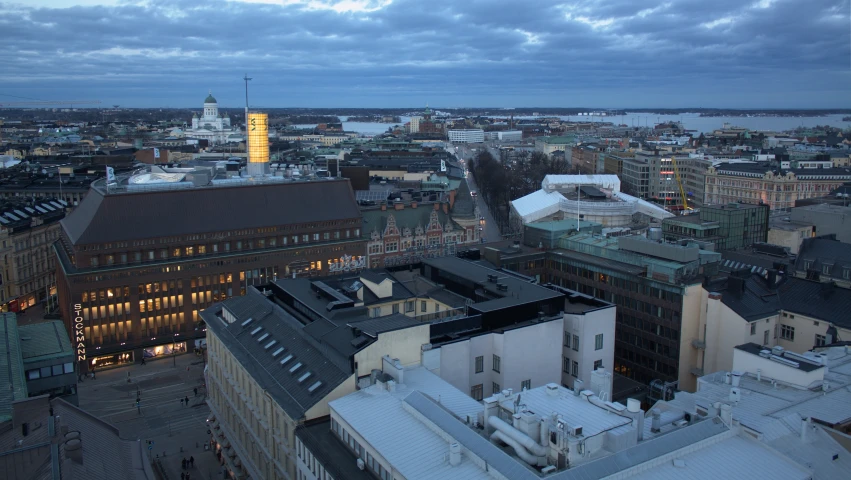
(510, 136)
(471, 135)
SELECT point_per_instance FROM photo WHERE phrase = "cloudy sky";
(447, 53)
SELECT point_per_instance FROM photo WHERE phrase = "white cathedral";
(211, 126)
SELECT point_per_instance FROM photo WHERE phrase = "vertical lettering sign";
(79, 333)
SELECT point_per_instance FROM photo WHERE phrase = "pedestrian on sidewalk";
(183, 464)
(191, 461)
(187, 400)
(196, 391)
(182, 476)
(187, 475)
(181, 402)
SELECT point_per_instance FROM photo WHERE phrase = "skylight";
(303, 377)
(269, 345)
(278, 351)
(254, 332)
(295, 367)
(287, 359)
(263, 337)
(314, 387)
(250, 319)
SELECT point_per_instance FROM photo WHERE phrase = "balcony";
(698, 344)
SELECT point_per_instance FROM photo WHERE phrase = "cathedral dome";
(210, 99)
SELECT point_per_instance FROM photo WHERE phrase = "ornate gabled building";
(407, 235)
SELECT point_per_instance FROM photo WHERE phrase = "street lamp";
(174, 349)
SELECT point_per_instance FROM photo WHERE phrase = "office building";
(468, 135)
(136, 265)
(787, 233)
(510, 136)
(731, 226)
(654, 285)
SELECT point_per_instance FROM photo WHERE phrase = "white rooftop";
(732, 457)
(537, 205)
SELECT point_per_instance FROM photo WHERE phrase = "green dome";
(210, 99)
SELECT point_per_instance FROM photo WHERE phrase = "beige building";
(27, 233)
(269, 371)
(788, 233)
(795, 314)
(549, 145)
(755, 182)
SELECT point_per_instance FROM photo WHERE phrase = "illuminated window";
(190, 251)
(175, 252)
(202, 249)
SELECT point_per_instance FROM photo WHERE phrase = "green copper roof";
(11, 366)
(43, 341)
(210, 99)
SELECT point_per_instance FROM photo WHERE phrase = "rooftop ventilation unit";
(270, 345)
(295, 367)
(777, 350)
(254, 332)
(576, 431)
(277, 352)
(502, 287)
(263, 337)
(286, 359)
(784, 361)
(250, 319)
(304, 377)
(314, 387)
(765, 353)
(492, 278)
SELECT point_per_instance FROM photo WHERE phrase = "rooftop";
(105, 218)
(295, 368)
(43, 341)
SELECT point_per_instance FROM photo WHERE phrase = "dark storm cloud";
(452, 53)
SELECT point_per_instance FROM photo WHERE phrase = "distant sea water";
(691, 121)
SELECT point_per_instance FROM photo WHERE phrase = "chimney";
(446, 208)
(74, 447)
(455, 454)
(772, 277)
(383, 207)
(655, 421)
(806, 425)
(398, 205)
(414, 204)
(437, 206)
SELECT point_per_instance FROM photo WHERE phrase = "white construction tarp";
(645, 207)
(561, 182)
(537, 205)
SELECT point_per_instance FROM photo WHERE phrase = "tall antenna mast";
(247, 79)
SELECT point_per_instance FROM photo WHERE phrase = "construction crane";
(680, 183)
(41, 103)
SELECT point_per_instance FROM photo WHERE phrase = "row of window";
(50, 371)
(225, 247)
(480, 363)
(477, 391)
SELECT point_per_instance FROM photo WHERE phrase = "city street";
(178, 431)
(490, 232)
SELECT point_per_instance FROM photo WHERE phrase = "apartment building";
(136, 266)
(27, 231)
(772, 310)
(549, 145)
(271, 369)
(824, 259)
(825, 219)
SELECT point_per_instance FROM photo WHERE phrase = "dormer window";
(846, 273)
(826, 268)
(808, 264)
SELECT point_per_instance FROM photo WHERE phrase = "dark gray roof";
(751, 298)
(102, 218)
(824, 251)
(816, 299)
(763, 167)
(251, 343)
(329, 450)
